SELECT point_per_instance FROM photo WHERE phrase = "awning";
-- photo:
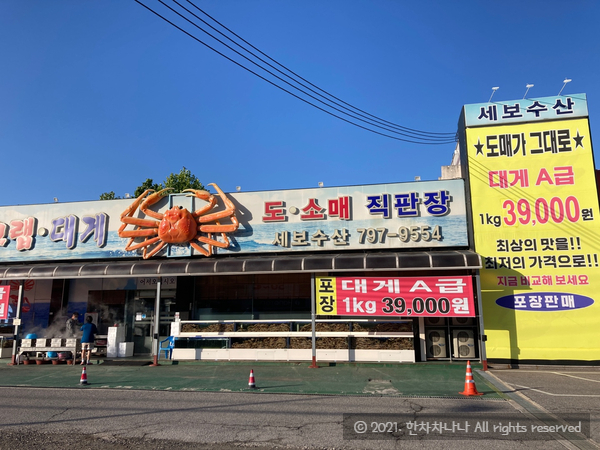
(438, 260)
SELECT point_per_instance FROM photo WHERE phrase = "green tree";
(148, 184)
(183, 180)
(177, 181)
(108, 196)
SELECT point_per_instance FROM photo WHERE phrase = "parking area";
(555, 390)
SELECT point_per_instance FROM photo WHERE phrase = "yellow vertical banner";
(536, 223)
(326, 296)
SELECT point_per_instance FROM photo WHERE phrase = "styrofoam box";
(116, 331)
(43, 342)
(125, 349)
(71, 342)
(56, 342)
(112, 351)
(116, 335)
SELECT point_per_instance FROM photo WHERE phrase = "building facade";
(499, 263)
(243, 285)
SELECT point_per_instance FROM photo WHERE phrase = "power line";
(425, 141)
(378, 119)
(369, 122)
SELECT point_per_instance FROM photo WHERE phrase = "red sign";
(4, 298)
(444, 296)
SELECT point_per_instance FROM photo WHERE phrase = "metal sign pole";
(17, 323)
(482, 336)
(155, 343)
(313, 315)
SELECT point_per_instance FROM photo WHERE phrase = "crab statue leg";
(151, 200)
(218, 228)
(203, 195)
(214, 242)
(131, 209)
(139, 233)
(229, 210)
(155, 250)
(126, 216)
(201, 249)
(145, 243)
(210, 241)
(149, 233)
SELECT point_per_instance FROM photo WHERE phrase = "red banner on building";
(445, 296)
(4, 297)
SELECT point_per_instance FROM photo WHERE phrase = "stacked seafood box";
(116, 336)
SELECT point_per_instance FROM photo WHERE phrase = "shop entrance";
(141, 318)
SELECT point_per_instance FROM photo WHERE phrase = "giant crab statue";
(178, 225)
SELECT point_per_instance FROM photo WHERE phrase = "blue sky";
(97, 96)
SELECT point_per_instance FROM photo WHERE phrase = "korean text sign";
(382, 216)
(392, 216)
(4, 298)
(444, 296)
(526, 110)
(535, 222)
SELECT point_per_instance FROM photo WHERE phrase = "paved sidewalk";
(421, 379)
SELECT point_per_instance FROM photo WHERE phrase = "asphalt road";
(125, 419)
(557, 390)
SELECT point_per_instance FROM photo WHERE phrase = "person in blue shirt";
(87, 339)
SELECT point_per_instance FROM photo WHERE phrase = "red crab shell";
(177, 226)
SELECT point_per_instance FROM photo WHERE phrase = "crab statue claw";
(177, 225)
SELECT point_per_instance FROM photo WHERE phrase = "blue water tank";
(31, 336)
(52, 354)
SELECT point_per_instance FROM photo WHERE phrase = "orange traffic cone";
(83, 379)
(251, 384)
(470, 388)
